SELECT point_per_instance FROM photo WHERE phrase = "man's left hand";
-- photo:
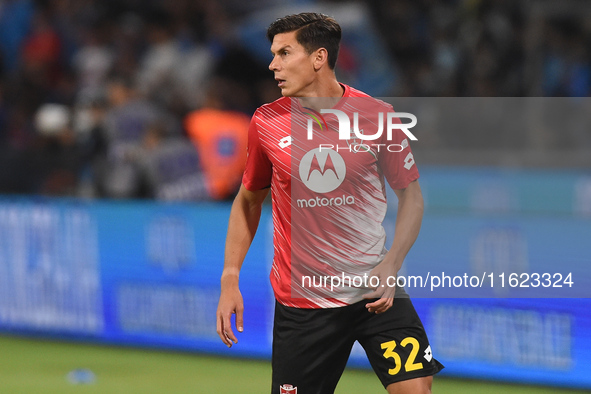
(385, 291)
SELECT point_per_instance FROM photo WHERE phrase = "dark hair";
(313, 31)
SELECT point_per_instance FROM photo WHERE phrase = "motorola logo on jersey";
(322, 170)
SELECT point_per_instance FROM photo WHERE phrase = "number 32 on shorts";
(410, 364)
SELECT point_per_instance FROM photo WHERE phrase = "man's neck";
(326, 96)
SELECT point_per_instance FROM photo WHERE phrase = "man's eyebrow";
(281, 49)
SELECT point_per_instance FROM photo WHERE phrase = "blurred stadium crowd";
(152, 98)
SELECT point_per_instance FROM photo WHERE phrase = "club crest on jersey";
(356, 144)
(353, 140)
(288, 389)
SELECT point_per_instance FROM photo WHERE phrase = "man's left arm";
(408, 224)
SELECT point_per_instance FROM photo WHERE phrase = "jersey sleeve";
(259, 170)
(397, 161)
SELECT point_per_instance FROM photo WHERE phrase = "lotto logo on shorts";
(288, 389)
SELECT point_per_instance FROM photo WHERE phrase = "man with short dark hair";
(328, 208)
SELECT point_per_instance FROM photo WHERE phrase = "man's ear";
(320, 58)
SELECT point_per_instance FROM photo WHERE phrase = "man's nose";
(273, 66)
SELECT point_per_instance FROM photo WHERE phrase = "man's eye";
(284, 53)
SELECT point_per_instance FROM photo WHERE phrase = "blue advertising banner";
(147, 274)
(138, 273)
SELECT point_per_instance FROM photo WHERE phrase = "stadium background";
(112, 230)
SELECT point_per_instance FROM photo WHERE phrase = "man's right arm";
(242, 226)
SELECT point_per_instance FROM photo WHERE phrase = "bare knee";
(411, 386)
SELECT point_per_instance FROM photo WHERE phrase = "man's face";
(292, 65)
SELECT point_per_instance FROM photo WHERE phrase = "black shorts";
(311, 346)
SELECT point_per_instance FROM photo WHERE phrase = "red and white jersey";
(328, 194)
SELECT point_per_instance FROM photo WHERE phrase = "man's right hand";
(230, 303)
(243, 223)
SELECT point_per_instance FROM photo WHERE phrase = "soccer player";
(328, 208)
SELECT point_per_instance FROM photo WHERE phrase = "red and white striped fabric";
(329, 197)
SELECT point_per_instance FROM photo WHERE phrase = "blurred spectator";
(37, 79)
(220, 136)
(170, 74)
(240, 70)
(170, 167)
(58, 156)
(567, 64)
(444, 48)
(124, 128)
(15, 19)
(127, 41)
(41, 50)
(93, 62)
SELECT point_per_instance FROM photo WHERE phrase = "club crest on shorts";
(288, 389)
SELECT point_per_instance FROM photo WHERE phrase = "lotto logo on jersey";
(288, 389)
(409, 161)
(285, 142)
(322, 170)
